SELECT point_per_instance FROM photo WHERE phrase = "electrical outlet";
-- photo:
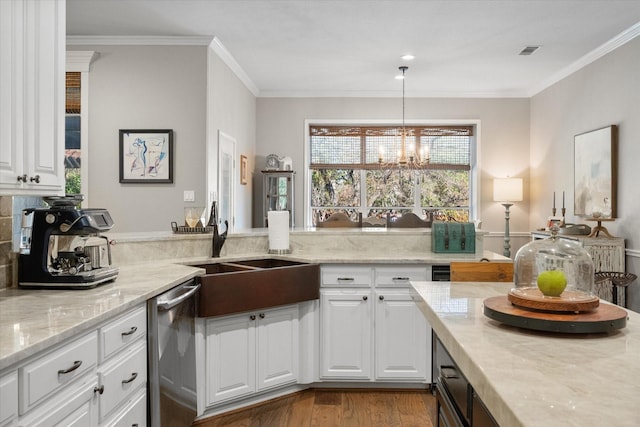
(189, 196)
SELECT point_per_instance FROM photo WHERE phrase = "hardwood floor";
(335, 408)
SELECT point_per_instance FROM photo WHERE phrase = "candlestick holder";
(553, 212)
(563, 210)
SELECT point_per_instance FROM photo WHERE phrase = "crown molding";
(139, 40)
(608, 47)
(226, 57)
(79, 60)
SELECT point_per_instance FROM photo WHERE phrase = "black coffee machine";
(61, 247)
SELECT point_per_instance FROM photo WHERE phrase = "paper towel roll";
(278, 230)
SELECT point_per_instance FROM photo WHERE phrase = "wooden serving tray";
(569, 301)
(606, 318)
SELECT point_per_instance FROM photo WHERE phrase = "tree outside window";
(346, 175)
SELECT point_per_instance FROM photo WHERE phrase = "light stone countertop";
(33, 320)
(529, 378)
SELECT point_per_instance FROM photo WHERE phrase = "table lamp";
(507, 190)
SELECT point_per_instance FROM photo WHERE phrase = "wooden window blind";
(73, 90)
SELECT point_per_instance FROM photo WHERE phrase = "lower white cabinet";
(346, 329)
(402, 337)
(9, 398)
(76, 406)
(373, 331)
(93, 379)
(250, 352)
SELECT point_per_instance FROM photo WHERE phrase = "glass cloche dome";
(554, 268)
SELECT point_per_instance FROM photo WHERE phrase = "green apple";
(552, 282)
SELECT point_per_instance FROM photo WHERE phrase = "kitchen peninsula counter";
(529, 378)
(151, 263)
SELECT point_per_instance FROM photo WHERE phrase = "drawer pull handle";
(346, 279)
(252, 317)
(75, 366)
(261, 315)
(400, 279)
(130, 331)
(130, 379)
(364, 298)
(98, 390)
(381, 297)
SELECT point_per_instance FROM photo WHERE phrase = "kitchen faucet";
(219, 239)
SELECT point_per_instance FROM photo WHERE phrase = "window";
(72, 147)
(346, 174)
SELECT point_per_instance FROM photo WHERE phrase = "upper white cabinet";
(32, 76)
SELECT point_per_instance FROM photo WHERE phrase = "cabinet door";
(32, 108)
(277, 349)
(346, 334)
(230, 357)
(8, 397)
(34, 124)
(78, 408)
(11, 52)
(402, 337)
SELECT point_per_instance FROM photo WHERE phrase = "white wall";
(605, 92)
(146, 87)
(504, 140)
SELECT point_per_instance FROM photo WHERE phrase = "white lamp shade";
(507, 189)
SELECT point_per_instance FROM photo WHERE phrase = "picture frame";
(146, 156)
(243, 169)
(595, 172)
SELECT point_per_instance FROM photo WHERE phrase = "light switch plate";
(189, 196)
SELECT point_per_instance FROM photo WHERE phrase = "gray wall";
(232, 110)
(504, 142)
(601, 94)
(146, 87)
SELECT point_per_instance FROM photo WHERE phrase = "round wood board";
(605, 318)
(569, 301)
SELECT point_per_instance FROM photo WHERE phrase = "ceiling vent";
(529, 50)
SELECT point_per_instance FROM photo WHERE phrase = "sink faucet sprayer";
(218, 239)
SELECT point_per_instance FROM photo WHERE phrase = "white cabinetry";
(250, 352)
(32, 76)
(98, 377)
(370, 327)
(9, 398)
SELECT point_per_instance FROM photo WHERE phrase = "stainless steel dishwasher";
(172, 356)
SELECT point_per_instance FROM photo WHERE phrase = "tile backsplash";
(6, 235)
(10, 222)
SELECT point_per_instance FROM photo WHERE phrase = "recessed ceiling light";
(528, 50)
(407, 57)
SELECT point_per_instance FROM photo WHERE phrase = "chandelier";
(409, 156)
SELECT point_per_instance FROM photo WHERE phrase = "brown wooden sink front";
(251, 285)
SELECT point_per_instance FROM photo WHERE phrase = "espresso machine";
(61, 247)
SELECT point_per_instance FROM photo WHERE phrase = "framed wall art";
(243, 169)
(595, 172)
(146, 156)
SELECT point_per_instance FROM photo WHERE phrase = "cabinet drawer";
(118, 334)
(399, 276)
(8, 397)
(122, 378)
(75, 407)
(346, 275)
(134, 412)
(54, 370)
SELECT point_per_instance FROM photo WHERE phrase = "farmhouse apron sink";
(235, 287)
